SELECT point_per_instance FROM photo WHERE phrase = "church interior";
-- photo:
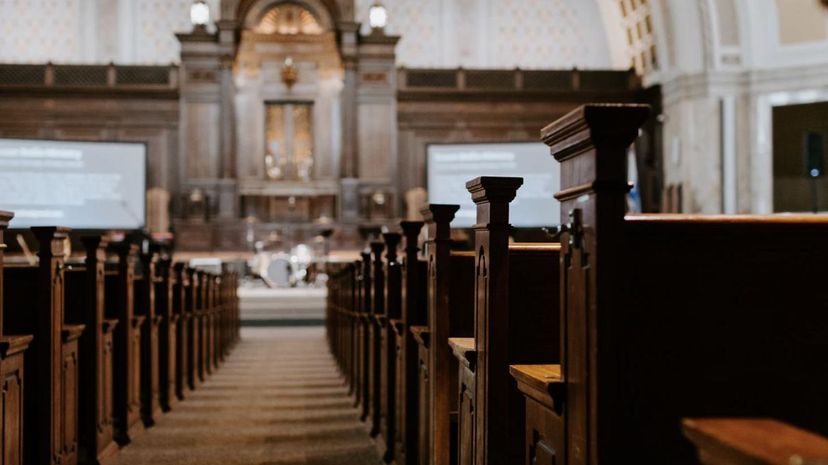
(364, 232)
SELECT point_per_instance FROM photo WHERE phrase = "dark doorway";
(800, 139)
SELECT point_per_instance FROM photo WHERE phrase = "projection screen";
(449, 166)
(83, 185)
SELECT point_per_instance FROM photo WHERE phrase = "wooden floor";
(278, 399)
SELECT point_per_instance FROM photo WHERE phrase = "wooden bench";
(144, 288)
(12, 372)
(195, 373)
(181, 290)
(85, 304)
(165, 302)
(391, 293)
(35, 297)
(366, 334)
(413, 312)
(754, 441)
(450, 313)
(516, 322)
(673, 316)
(208, 313)
(377, 337)
(120, 305)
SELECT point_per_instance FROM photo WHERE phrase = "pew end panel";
(673, 316)
(542, 386)
(120, 276)
(463, 349)
(12, 372)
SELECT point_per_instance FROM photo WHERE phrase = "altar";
(261, 306)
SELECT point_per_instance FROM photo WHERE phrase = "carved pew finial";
(5, 217)
(392, 242)
(491, 315)
(591, 144)
(606, 129)
(438, 218)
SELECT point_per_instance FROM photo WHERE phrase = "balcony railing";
(513, 81)
(92, 77)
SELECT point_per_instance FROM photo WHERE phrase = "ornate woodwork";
(120, 302)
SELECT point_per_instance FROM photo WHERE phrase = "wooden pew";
(85, 304)
(672, 316)
(203, 312)
(144, 288)
(165, 286)
(120, 305)
(194, 374)
(209, 317)
(450, 312)
(377, 337)
(413, 312)
(349, 304)
(12, 372)
(391, 294)
(516, 322)
(235, 316)
(181, 290)
(36, 295)
(343, 304)
(215, 324)
(366, 325)
(359, 348)
(754, 441)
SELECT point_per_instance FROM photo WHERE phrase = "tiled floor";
(278, 399)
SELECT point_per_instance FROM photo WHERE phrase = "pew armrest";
(422, 335)
(138, 320)
(72, 332)
(464, 350)
(10, 345)
(109, 324)
(542, 383)
(755, 441)
(398, 326)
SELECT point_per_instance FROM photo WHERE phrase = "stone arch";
(248, 12)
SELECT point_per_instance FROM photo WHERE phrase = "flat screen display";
(83, 185)
(451, 165)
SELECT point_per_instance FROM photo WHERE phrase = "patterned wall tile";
(435, 33)
(36, 31)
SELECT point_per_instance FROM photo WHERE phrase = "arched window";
(289, 19)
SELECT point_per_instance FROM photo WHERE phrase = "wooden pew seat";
(754, 441)
(540, 382)
(463, 348)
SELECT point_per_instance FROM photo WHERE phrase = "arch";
(288, 18)
(251, 12)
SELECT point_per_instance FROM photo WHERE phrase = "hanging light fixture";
(199, 14)
(378, 16)
(289, 73)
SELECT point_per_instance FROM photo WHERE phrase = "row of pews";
(94, 349)
(646, 339)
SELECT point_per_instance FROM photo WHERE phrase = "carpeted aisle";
(278, 399)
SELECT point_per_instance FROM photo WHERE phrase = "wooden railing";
(516, 80)
(110, 77)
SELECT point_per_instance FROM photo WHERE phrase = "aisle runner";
(277, 400)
